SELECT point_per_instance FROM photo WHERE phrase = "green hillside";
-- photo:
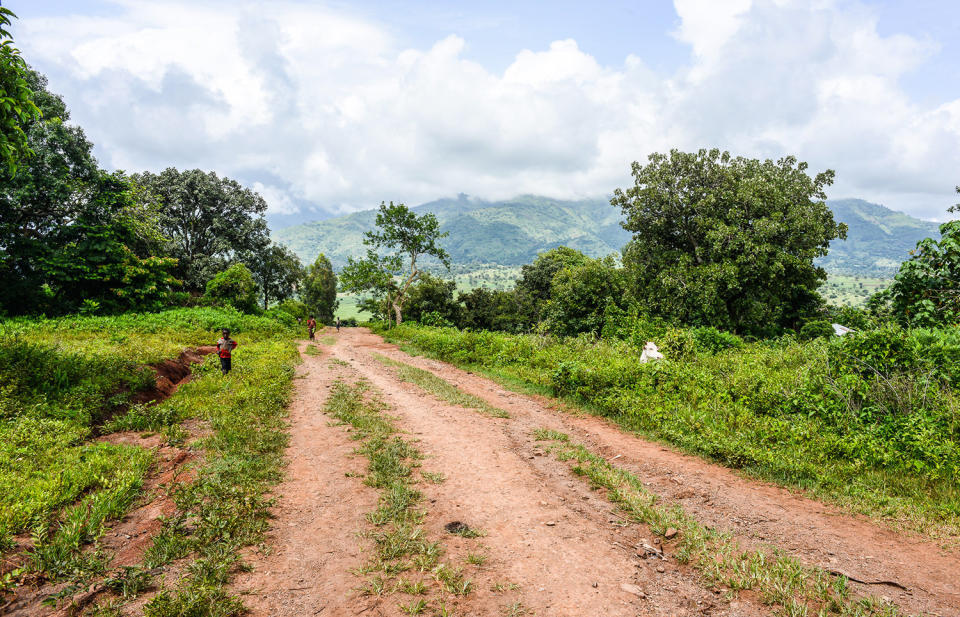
(878, 240)
(513, 232)
(508, 232)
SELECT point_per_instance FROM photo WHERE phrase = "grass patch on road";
(401, 544)
(441, 388)
(779, 580)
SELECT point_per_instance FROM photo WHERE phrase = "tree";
(926, 290)
(536, 280)
(727, 242)
(17, 108)
(487, 309)
(233, 287)
(580, 294)
(277, 271)
(70, 232)
(209, 220)
(410, 237)
(320, 289)
(432, 294)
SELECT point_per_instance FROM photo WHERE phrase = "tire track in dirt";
(756, 513)
(545, 531)
(313, 539)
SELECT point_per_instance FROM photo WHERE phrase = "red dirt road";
(552, 545)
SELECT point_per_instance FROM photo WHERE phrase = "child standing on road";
(338, 324)
(225, 346)
(311, 326)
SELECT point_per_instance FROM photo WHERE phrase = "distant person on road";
(338, 324)
(311, 326)
(225, 346)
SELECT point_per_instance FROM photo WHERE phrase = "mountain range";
(513, 232)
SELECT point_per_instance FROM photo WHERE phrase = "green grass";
(790, 412)
(441, 388)
(846, 290)
(779, 580)
(400, 542)
(66, 379)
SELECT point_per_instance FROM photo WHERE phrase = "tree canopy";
(17, 107)
(926, 290)
(208, 220)
(726, 241)
(71, 232)
(277, 271)
(406, 237)
(320, 288)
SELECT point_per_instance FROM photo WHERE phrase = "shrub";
(234, 287)
(816, 329)
(711, 340)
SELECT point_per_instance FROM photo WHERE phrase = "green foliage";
(410, 237)
(536, 279)
(485, 309)
(207, 219)
(817, 328)
(277, 271)
(320, 289)
(926, 291)
(233, 287)
(432, 295)
(72, 235)
(581, 295)
(871, 421)
(726, 242)
(17, 108)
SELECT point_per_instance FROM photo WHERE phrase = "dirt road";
(551, 545)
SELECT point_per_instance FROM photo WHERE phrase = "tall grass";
(62, 379)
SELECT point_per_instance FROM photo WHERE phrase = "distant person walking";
(225, 347)
(338, 324)
(311, 326)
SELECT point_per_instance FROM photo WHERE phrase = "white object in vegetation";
(650, 353)
(841, 330)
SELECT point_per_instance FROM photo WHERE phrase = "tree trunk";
(396, 311)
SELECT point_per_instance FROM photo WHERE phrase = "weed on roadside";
(441, 388)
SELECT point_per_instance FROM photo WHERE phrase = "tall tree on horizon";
(209, 221)
(727, 241)
(389, 277)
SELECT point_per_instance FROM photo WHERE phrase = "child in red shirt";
(225, 346)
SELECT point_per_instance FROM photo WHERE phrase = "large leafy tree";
(69, 231)
(17, 107)
(727, 241)
(406, 238)
(580, 294)
(533, 288)
(208, 220)
(320, 288)
(432, 294)
(277, 271)
(926, 290)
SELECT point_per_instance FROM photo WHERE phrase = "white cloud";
(317, 106)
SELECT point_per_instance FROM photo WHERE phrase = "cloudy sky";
(335, 106)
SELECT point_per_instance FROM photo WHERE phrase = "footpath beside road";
(549, 544)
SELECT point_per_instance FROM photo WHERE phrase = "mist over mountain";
(515, 231)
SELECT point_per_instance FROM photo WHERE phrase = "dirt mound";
(171, 374)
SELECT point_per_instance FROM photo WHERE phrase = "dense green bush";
(816, 329)
(233, 287)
